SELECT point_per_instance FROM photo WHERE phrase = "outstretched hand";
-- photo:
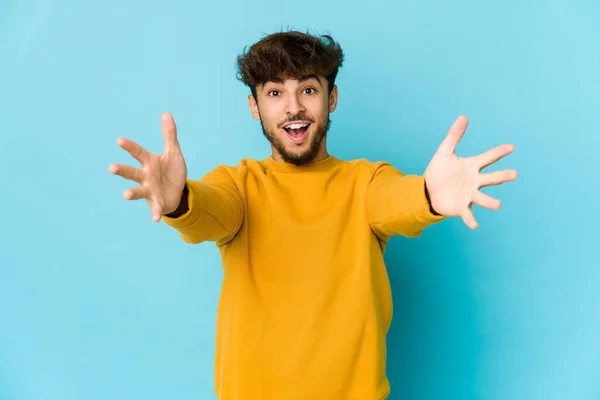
(453, 182)
(162, 176)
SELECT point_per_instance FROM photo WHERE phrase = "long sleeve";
(397, 205)
(216, 209)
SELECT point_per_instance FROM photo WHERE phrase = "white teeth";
(296, 126)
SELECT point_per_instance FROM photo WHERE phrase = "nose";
(294, 105)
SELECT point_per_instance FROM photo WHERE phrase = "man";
(305, 304)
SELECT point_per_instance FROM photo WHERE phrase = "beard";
(307, 156)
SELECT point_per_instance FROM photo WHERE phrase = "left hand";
(453, 182)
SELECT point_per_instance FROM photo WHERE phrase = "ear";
(333, 98)
(253, 107)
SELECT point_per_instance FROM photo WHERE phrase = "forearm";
(398, 204)
(211, 210)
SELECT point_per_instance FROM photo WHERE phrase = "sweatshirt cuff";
(421, 206)
(191, 215)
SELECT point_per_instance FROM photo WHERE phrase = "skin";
(305, 99)
(453, 182)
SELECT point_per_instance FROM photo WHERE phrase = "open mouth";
(297, 131)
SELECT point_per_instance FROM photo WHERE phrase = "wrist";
(182, 208)
(429, 201)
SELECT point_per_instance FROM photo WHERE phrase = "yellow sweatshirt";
(305, 303)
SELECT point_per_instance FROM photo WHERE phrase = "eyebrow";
(308, 77)
(302, 79)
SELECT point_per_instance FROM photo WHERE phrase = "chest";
(302, 203)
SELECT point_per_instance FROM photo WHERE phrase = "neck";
(320, 156)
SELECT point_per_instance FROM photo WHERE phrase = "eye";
(310, 90)
(274, 93)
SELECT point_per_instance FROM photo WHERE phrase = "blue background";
(98, 302)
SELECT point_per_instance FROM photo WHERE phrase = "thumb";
(169, 131)
(155, 210)
(456, 132)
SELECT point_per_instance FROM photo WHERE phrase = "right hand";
(162, 176)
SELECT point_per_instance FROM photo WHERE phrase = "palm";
(166, 173)
(451, 176)
(162, 176)
(453, 182)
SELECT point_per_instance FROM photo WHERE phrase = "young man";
(305, 304)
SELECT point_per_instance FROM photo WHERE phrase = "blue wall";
(98, 302)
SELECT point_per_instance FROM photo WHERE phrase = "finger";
(169, 130)
(486, 201)
(127, 172)
(469, 218)
(493, 155)
(136, 151)
(497, 177)
(136, 193)
(456, 132)
(155, 210)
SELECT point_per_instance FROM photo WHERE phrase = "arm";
(397, 204)
(211, 210)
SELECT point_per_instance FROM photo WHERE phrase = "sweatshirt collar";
(323, 165)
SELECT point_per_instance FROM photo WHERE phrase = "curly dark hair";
(289, 55)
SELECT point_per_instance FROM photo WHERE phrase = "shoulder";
(237, 172)
(235, 169)
(373, 168)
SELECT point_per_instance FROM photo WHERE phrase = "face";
(294, 115)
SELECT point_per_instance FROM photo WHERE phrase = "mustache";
(297, 117)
